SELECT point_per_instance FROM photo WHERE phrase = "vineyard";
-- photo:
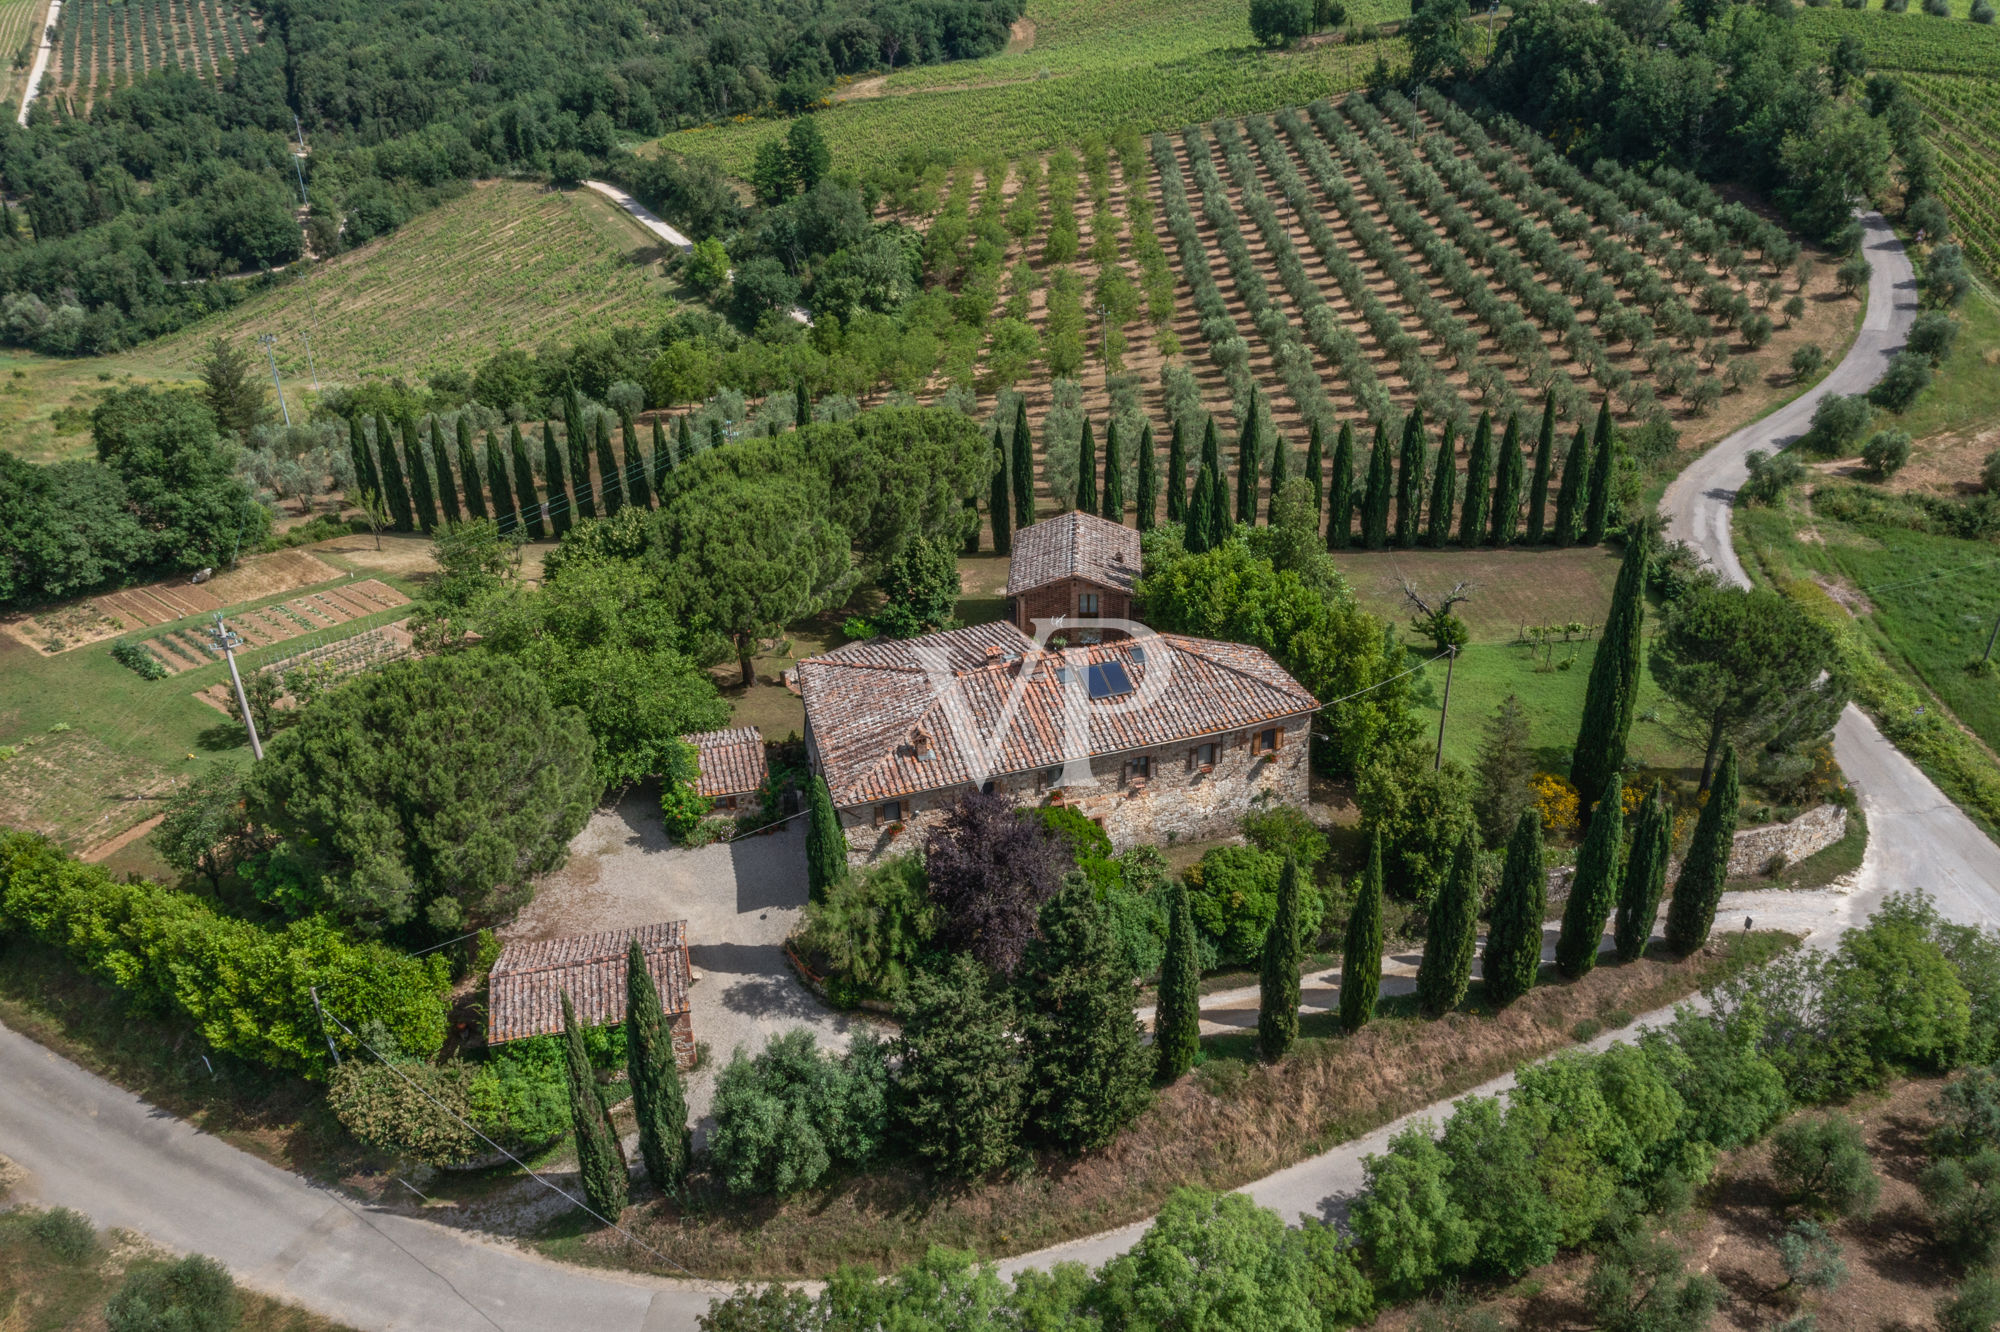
(1962, 120)
(106, 44)
(17, 46)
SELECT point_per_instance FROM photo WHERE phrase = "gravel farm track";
(87, 1144)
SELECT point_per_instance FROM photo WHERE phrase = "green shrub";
(1639, 1286)
(409, 1108)
(1967, 1111)
(1964, 1201)
(790, 1114)
(138, 657)
(1837, 425)
(1886, 451)
(1084, 837)
(871, 929)
(1821, 1163)
(682, 809)
(1976, 1306)
(1908, 375)
(1233, 894)
(66, 1234)
(1284, 831)
(194, 1294)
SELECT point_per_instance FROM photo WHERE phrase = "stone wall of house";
(1813, 831)
(1180, 802)
(1060, 598)
(682, 1026)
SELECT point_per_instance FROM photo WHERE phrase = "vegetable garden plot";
(316, 612)
(326, 664)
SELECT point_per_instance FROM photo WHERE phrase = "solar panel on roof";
(1108, 680)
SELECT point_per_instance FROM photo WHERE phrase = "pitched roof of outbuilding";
(732, 761)
(525, 988)
(1074, 545)
(963, 692)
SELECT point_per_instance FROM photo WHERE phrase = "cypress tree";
(1361, 960)
(1410, 479)
(1514, 942)
(524, 485)
(1086, 470)
(503, 494)
(1340, 491)
(663, 461)
(636, 489)
(1281, 464)
(1199, 530)
(1220, 527)
(962, 1083)
(1176, 476)
(1375, 497)
(1148, 496)
(1211, 451)
(562, 511)
(1088, 1068)
(600, 1157)
(1571, 492)
(610, 484)
(1614, 675)
(972, 528)
(1445, 973)
(357, 454)
(1278, 982)
(655, 1076)
(441, 458)
(802, 403)
(1538, 486)
(358, 427)
(1507, 489)
(1594, 890)
(422, 498)
(1177, 1006)
(826, 844)
(468, 467)
(717, 436)
(1249, 448)
(1024, 466)
(1444, 489)
(1478, 476)
(1599, 505)
(576, 443)
(1645, 878)
(684, 445)
(393, 489)
(996, 504)
(1691, 914)
(1315, 472)
(1114, 475)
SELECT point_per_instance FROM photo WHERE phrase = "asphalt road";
(89, 1145)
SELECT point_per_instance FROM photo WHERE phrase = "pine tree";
(1599, 506)
(663, 461)
(1609, 698)
(1538, 486)
(1444, 489)
(826, 843)
(1281, 464)
(1594, 889)
(1445, 973)
(1514, 941)
(1088, 1068)
(562, 510)
(441, 459)
(1148, 485)
(1340, 491)
(1698, 890)
(1086, 470)
(1200, 526)
(576, 443)
(1571, 492)
(600, 1157)
(1361, 960)
(422, 499)
(1278, 982)
(1177, 1005)
(1478, 476)
(1645, 877)
(468, 468)
(655, 1078)
(636, 488)
(1507, 489)
(1375, 497)
(1410, 480)
(1114, 474)
(1249, 448)
(503, 494)
(802, 414)
(1024, 466)
(610, 485)
(393, 490)
(1177, 500)
(1315, 472)
(524, 484)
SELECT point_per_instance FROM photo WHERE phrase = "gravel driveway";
(740, 900)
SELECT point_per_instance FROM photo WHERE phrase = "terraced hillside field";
(105, 44)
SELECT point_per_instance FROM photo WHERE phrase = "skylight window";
(1108, 680)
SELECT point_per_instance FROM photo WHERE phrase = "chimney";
(920, 741)
(992, 654)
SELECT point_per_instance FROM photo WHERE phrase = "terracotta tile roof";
(732, 762)
(866, 704)
(525, 988)
(1074, 545)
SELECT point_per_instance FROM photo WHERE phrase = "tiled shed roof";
(732, 761)
(1074, 545)
(526, 985)
(867, 703)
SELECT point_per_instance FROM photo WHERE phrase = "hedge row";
(246, 990)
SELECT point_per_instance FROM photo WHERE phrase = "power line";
(1932, 578)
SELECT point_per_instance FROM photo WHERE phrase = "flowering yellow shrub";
(1630, 799)
(1555, 800)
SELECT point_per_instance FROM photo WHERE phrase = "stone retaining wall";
(1813, 831)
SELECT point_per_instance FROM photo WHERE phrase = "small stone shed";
(1075, 566)
(733, 766)
(526, 985)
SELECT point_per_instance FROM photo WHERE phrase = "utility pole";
(226, 643)
(313, 990)
(298, 160)
(270, 341)
(1451, 658)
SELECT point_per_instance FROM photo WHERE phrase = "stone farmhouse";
(1157, 737)
(1076, 566)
